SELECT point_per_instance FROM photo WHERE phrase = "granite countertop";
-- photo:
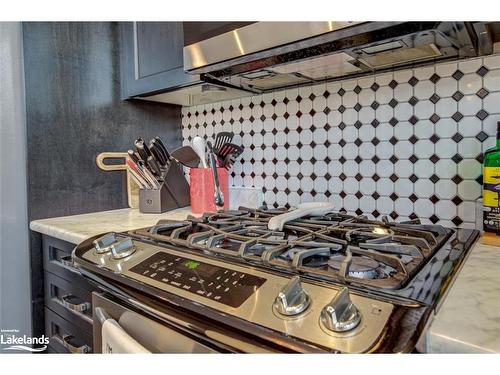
(469, 318)
(77, 228)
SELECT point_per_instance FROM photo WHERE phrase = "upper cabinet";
(153, 67)
(151, 56)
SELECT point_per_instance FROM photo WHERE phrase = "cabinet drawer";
(57, 260)
(66, 337)
(69, 301)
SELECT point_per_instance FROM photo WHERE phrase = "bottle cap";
(498, 127)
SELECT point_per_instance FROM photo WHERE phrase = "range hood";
(266, 56)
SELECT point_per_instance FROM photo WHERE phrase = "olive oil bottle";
(491, 187)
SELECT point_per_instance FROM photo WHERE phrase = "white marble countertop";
(469, 318)
(77, 228)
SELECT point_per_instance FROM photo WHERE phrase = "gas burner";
(361, 267)
(385, 254)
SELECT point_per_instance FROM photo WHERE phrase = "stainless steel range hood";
(266, 56)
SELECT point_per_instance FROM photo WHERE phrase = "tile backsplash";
(405, 143)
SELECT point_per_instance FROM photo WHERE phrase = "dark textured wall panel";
(72, 73)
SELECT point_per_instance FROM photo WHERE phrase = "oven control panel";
(217, 283)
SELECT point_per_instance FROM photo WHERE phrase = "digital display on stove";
(217, 283)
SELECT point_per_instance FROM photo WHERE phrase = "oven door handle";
(65, 340)
(101, 315)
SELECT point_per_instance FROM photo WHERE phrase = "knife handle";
(136, 172)
(143, 151)
(157, 153)
(162, 147)
(148, 175)
(153, 166)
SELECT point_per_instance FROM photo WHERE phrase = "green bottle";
(491, 187)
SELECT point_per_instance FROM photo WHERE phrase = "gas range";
(332, 282)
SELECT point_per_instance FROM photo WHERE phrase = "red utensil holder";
(201, 189)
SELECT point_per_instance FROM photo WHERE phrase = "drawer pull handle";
(67, 261)
(80, 307)
(65, 341)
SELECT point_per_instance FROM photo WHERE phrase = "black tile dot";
(457, 158)
(435, 98)
(482, 71)
(434, 219)
(457, 221)
(435, 118)
(413, 81)
(458, 74)
(457, 116)
(457, 137)
(435, 78)
(393, 103)
(482, 114)
(482, 136)
(482, 93)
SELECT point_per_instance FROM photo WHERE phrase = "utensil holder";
(173, 192)
(201, 189)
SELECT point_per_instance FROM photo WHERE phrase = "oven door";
(120, 329)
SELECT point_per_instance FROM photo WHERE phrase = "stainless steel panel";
(199, 94)
(258, 307)
(254, 38)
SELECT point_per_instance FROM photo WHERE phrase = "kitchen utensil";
(157, 153)
(141, 148)
(161, 145)
(133, 156)
(186, 156)
(303, 209)
(148, 175)
(154, 167)
(218, 196)
(199, 148)
(229, 148)
(138, 176)
(228, 154)
(229, 160)
(132, 185)
(221, 138)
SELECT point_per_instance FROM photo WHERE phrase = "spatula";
(221, 138)
(186, 156)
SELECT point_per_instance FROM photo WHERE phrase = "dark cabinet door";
(151, 56)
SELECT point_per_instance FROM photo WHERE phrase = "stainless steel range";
(333, 282)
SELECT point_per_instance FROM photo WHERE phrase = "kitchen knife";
(142, 149)
(162, 147)
(138, 175)
(157, 153)
(148, 175)
(132, 155)
(154, 166)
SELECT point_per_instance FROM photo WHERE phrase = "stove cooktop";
(335, 280)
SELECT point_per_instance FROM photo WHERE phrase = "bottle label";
(491, 204)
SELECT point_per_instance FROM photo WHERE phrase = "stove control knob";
(123, 248)
(102, 244)
(340, 314)
(292, 298)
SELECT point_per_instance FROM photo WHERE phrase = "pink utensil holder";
(201, 189)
